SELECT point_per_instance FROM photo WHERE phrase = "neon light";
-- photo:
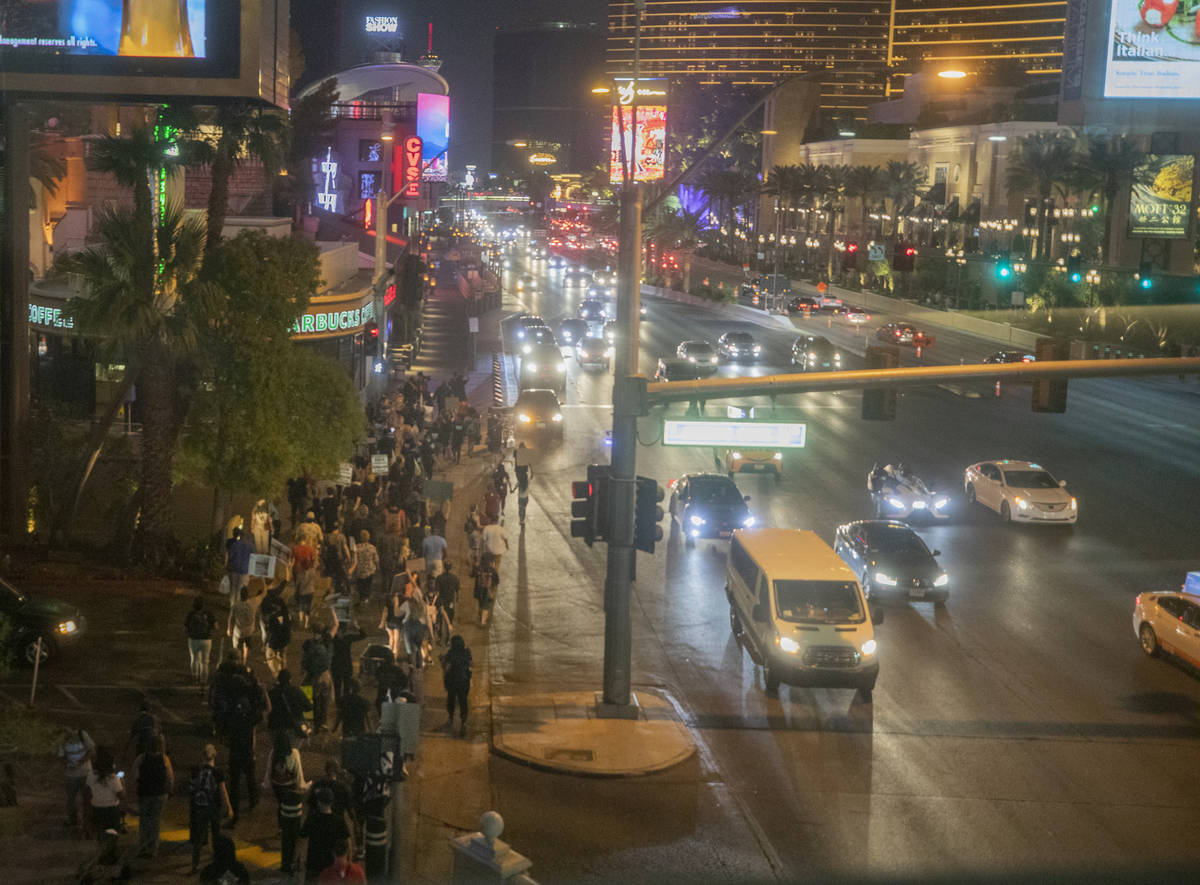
(327, 196)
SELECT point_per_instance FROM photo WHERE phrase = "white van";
(799, 611)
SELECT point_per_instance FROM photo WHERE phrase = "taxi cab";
(1169, 622)
(743, 460)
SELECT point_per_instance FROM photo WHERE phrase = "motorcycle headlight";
(895, 502)
(748, 522)
(523, 418)
(941, 580)
(786, 643)
(885, 580)
(868, 647)
(557, 416)
(696, 520)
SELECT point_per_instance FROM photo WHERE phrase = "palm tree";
(1041, 161)
(1106, 166)
(833, 193)
(904, 178)
(728, 189)
(677, 231)
(146, 308)
(868, 184)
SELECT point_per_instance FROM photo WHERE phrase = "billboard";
(145, 48)
(1161, 197)
(645, 142)
(433, 128)
(1153, 50)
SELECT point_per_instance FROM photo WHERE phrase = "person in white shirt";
(495, 542)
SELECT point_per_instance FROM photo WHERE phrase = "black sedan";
(708, 505)
(57, 623)
(1010, 356)
(675, 369)
(891, 560)
(816, 353)
(737, 346)
(699, 352)
(572, 330)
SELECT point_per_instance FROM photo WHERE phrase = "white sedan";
(1169, 622)
(1020, 491)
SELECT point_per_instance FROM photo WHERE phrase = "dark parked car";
(1010, 356)
(816, 353)
(891, 560)
(701, 353)
(708, 505)
(57, 623)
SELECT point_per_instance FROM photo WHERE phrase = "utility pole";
(618, 641)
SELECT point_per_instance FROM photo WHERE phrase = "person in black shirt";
(324, 830)
(456, 677)
(352, 712)
(445, 591)
(288, 706)
(199, 627)
(334, 781)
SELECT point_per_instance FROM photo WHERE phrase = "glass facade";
(1013, 43)
(843, 44)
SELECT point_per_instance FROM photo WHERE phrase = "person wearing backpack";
(155, 781)
(143, 731)
(208, 800)
(288, 706)
(277, 628)
(285, 778)
(199, 627)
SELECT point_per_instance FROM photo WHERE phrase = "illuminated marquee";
(382, 24)
(49, 316)
(322, 322)
(411, 167)
(327, 195)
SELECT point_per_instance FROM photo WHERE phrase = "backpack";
(204, 787)
(198, 624)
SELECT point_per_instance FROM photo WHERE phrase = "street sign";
(822, 287)
(473, 325)
(747, 434)
(875, 252)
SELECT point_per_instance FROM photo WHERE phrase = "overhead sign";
(744, 434)
(409, 185)
(1153, 50)
(1161, 196)
(542, 159)
(130, 29)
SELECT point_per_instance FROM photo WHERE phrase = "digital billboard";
(1161, 197)
(433, 128)
(125, 28)
(1153, 50)
(645, 142)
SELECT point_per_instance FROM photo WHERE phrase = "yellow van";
(800, 612)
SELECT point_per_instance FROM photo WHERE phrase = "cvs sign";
(410, 167)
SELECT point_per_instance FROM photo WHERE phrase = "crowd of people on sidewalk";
(378, 540)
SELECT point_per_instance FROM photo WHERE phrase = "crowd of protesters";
(374, 544)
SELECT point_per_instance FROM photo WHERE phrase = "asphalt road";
(1020, 728)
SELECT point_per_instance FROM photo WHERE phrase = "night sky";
(462, 36)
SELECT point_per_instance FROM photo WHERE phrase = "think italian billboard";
(1161, 197)
(1153, 49)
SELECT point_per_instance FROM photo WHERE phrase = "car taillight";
(1137, 600)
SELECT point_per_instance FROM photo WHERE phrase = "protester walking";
(237, 562)
(324, 830)
(315, 661)
(76, 749)
(225, 868)
(366, 565)
(208, 802)
(487, 582)
(241, 732)
(199, 625)
(433, 549)
(288, 706)
(154, 781)
(277, 627)
(304, 573)
(343, 870)
(105, 791)
(391, 620)
(285, 778)
(524, 473)
(456, 677)
(494, 542)
(353, 712)
(445, 592)
(240, 628)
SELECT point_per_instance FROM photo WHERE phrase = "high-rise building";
(842, 45)
(542, 104)
(1008, 42)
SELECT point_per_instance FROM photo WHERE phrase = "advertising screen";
(1161, 197)
(433, 128)
(1153, 50)
(123, 28)
(645, 142)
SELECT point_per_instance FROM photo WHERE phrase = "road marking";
(70, 697)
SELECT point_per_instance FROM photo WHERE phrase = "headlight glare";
(896, 502)
(557, 416)
(735, 455)
(696, 520)
(868, 647)
(1074, 504)
(1021, 503)
(941, 580)
(786, 643)
(940, 503)
(67, 627)
(748, 522)
(778, 456)
(523, 418)
(885, 580)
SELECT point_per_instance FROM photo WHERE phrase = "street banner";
(345, 473)
(262, 566)
(379, 464)
(1160, 199)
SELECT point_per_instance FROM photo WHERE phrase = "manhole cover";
(568, 755)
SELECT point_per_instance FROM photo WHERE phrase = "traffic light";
(1144, 277)
(589, 505)
(850, 257)
(647, 514)
(1004, 269)
(1050, 394)
(1074, 268)
(879, 403)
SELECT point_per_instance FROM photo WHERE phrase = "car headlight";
(786, 643)
(885, 580)
(735, 455)
(561, 367)
(758, 348)
(895, 502)
(918, 505)
(1021, 503)
(868, 647)
(712, 359)
(812, 357)
(748, 522)
(523, 418)
(566, 335)
(532, 367)
(67, 627)
(837, 357)
(941, 580)
(940, 503)
(1074, 505)
(696, 520)
(691, 359)
(778, 456)
(557, 416)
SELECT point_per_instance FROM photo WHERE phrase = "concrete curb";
(559, 733)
